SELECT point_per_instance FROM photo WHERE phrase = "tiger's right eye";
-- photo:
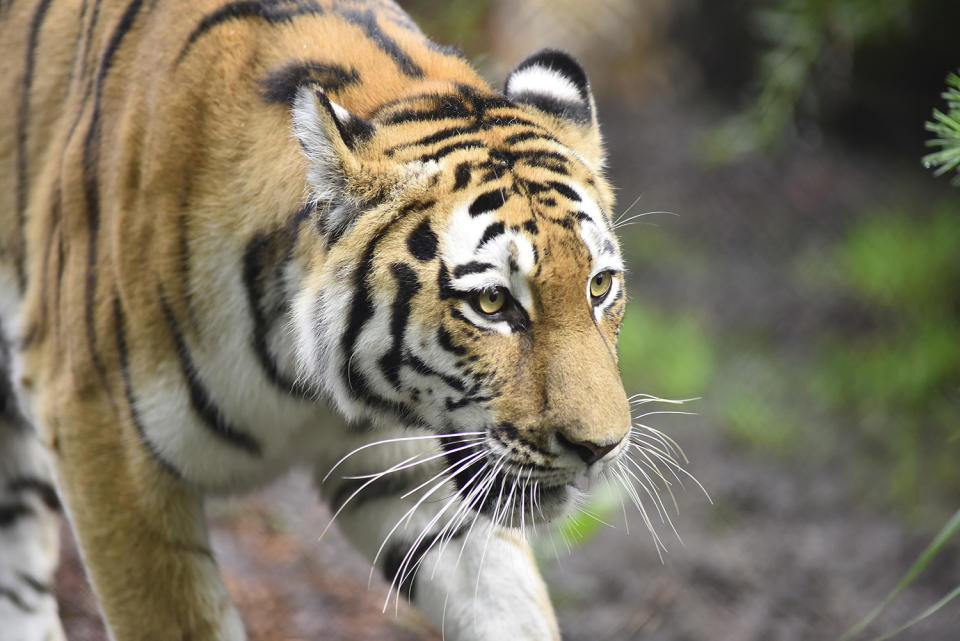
(490, 301)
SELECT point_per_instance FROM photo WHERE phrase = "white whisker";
(360, 489)
(398, 439)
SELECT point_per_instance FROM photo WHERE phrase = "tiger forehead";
(435, 126)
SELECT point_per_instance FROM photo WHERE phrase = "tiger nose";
(589, 452)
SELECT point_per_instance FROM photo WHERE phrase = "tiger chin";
(220, 219)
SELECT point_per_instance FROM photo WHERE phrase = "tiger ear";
(553, 82)
(330, 137)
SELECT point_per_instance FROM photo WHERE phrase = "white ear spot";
(554, 82)
(543, 81)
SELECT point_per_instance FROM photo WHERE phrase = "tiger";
(243, 236)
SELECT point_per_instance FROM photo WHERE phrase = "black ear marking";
(352, 128)
(554, 82)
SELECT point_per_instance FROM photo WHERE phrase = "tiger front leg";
(29, 535)
(141, 531)
(476, 581)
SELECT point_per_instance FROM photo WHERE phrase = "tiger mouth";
(511, 493)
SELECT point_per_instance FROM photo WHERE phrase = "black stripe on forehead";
(472, 267)
(449, 149)
(488, 201)
(564, 190)
(492, 231)
(422, 241)
(462, 174)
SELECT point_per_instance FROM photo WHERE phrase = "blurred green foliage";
(760, 423)
(667, 355)
(459, 21)
(809, 44)
(897, 378)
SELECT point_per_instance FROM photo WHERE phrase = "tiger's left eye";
(600, 285)
(490, 301)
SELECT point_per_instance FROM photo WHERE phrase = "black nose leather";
(589, 452)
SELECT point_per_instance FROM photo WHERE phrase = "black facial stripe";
(422, 242)
(446, 111)
(437, 136)
(264, 250)
(449, 149)
(212, 417)
(492, 231)
(445, 340)
(566, 222)
(508, 435)
(617, 297)
(367, 20)
(513, 120)
(488, 201)
(420, 367)
(445, 287)
(453, 405)
(457, 314)
(280, 85)
(473, 267)
(407, 287)
(529, 135)
(361, 311)
(462, 173)
(564, 191)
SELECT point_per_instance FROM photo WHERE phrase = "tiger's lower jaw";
(526, 505)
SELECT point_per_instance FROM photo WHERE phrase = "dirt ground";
(786, 552)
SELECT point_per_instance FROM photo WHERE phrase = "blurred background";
(804, 285)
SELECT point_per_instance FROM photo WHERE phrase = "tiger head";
(471, 282)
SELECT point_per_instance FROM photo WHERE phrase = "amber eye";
(490, 301)
(600, 285)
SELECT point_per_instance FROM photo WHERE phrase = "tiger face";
(488, 293)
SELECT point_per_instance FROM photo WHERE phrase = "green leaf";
(923, 615)
(948, 532)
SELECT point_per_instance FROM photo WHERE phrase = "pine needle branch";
(946, 126)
